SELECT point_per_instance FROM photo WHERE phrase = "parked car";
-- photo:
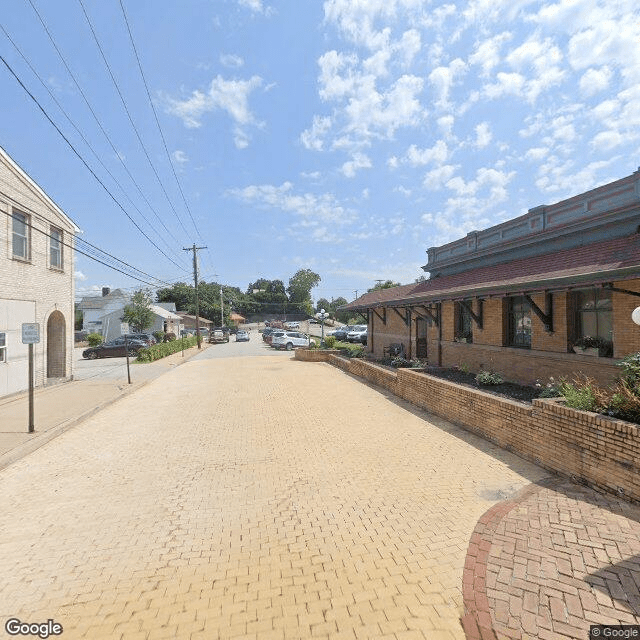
(218, 335)
(341, 332)
(114, 348)
(289, 339)
(267, 332)
(314, 321)
(147, 338)
(269, 337)
(357, 333)
(292, 325)
(242, 336)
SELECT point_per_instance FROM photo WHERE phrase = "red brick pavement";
(550, 562)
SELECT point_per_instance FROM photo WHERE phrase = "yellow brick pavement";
(249, 498)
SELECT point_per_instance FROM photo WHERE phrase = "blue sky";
(344, 136)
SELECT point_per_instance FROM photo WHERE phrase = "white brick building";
(36, 280)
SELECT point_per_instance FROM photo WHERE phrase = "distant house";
(94, 308)
(237, 319)
(36, 281)
(163, 320)
(526, 298)
(189, 321)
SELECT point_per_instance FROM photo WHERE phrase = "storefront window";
(519, 313)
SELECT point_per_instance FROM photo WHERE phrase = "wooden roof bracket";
(477, 318)
(429, 312)
(610, 287)
(405, 317)
(545, 316)
(382, 317)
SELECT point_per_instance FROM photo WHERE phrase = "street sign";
(124, 328)
(30, 333)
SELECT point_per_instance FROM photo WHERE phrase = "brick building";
(36, 281)
(524, 297)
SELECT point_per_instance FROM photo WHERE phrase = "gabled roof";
(99, 302)
(37, 190)
(185, 315)
(165, 313)
(596, 263)
(379, 296)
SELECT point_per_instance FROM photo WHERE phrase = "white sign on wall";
(30, 333)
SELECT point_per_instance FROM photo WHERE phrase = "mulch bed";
(511, 390)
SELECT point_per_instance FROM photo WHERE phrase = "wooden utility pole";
(195, 281)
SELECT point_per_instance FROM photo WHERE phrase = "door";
(421, 338)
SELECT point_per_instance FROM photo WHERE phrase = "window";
(463, 322)
(3, 347)
(20, 236)
(594, 316)
(55, 248)
(519, 317)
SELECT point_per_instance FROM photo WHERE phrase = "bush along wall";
(164, 349)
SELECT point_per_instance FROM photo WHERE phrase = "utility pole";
(356, 292)
(221, 309)
(195, 280)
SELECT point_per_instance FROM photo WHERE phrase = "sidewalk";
(59, 407)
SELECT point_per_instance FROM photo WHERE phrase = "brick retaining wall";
(591, 448)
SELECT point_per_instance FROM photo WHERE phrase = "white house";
(163, 320)
(94, 308)
(36, 281)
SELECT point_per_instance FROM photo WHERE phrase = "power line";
(93, 113)
(91, 257)
(124, 104)
(77, 153)
(155, 115)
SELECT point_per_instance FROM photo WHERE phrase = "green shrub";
(401, 363)
(159, 336)
(313, 344)
(350, 350)
(94, 339)
(169, 337)
(551, 389)
(164, 349)
(630, 370)
(581, 394)
(330, 342)
(489, 377)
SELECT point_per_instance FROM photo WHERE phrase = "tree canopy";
(138, 312)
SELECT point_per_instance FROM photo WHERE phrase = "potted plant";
(593, 346)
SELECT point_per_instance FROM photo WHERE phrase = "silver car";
(289, 339)
(358, 333)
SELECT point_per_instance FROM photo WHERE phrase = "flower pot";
(588, 351)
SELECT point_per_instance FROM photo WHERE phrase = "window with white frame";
(55, 248)
(21, 235)
(3, 347)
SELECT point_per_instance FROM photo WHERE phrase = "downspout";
(410, 323)
(439, 334)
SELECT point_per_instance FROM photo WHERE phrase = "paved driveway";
(251, 498)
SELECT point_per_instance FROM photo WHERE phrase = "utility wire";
(88, 255)
(93, 113)
(124, 104)
(77, 153)
(155, 115)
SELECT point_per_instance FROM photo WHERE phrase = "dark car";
(341, 332)
(114, 348)
(147, 338)
(267, 332)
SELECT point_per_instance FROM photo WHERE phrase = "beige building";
(36, 281)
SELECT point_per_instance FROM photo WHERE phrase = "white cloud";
(231, 96)
(231, 60)
(313, 138)
(607, 140)
(79, 275)
(487, 53)
(595, 80)
(180, 156)
(359, 161)
(256, 6)
(437, 178)
(416, 157)
(483, 135)
(443, 79)
(323, 207)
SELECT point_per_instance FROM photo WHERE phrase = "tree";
(323, 303)
(421, 278)
(138, 313)
(300, 285)
(384, 285)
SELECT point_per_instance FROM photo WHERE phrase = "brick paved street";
(264, 498)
